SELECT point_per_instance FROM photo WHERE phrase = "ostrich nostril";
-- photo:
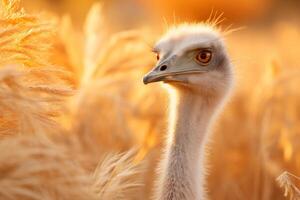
(163, 68)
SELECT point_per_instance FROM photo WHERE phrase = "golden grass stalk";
(290, 189)
(23, 35)
(32, 105)
(37, 169)
(32, 90)
(115, 177)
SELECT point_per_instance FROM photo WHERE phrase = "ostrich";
(193, 62)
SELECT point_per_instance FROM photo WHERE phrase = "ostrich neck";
(193, 115)
(183, 163)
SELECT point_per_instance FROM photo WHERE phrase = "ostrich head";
(192, 57)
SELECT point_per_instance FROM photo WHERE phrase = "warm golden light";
(71, 93)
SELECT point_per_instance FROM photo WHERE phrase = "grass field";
(76, 122)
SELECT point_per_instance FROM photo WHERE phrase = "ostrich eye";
(204, 56)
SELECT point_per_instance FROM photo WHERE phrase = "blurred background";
(257, 137)
(130, 13)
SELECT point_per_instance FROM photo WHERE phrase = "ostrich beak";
(169, 74)
(159, 73)
(153, 76)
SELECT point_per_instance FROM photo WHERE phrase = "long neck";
(182, 167)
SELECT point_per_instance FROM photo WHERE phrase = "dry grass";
(39, 169)
(285, 181)
(41, 157)
(69, 97)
